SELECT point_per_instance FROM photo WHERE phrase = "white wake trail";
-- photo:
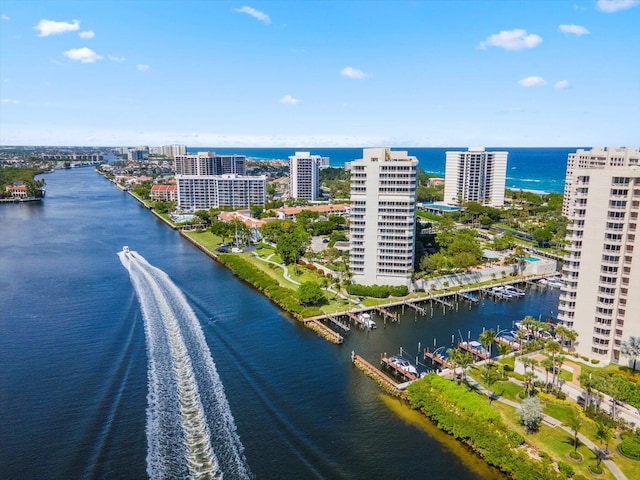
(187, 407)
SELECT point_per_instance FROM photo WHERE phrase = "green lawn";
(205, 238)
(554, 441)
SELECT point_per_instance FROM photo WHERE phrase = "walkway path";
(286, 275)
(554, 422)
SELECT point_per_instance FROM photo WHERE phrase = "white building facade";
(201, 192)
(475, 176)
(172, 151)
(382, 217)
(304, 175)
(207, 180)
(601, 295)
(210, 163)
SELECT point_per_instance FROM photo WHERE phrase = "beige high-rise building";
(382, 217)
(475, 176)
(601, 295)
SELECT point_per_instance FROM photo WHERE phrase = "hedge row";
(285, 298)
(470, 419)
(630, 444)
(377, 291)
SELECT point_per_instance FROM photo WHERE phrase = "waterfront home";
(324, 209)
(17, 190)
(167, 193)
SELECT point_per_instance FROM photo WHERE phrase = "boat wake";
(191, 432)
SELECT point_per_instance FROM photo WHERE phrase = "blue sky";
(320, 73)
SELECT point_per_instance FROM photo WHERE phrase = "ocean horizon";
(540, 170)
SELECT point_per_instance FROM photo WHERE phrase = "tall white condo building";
(475, 176)
(304, 175)
(382, 217)
(601, 295)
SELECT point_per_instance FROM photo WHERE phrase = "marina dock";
(475, 348)
(392, 366)
(437, 357)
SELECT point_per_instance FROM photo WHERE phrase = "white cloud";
(87, 34)
(611, 6)
(351, 72)
(516, 39)
(116, 59)
(49, 27)
(561, 84)
(4, 16)
(142, 67)
(9, 100)
(84, 55)
(574, 29)
(263, 17)
(532, 82)
(288, 99)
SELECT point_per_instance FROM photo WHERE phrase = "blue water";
(79, 397)
(538, 169)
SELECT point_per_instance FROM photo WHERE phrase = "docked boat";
(403, 364)
(365, 319)
(513, 291)
(555, 282)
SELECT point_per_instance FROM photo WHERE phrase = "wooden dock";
(378, 375)
(338, 323)
(513, 345)
(435, 358)
(389, 364)
(483, 354)
(393, 316)
(418, 309)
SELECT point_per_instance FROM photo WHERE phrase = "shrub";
(575, 455)
(515, 439)
(377, 291)
(595, 361)
(630, 445)
(544, 455)
(301, 262)
(566, 469)
(467, 417)
(597, 469)
(311, 266)
(329, 276)
(560, 395)
(585, 358)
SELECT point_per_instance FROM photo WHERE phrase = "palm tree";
(454, 357)
(604, 434)
(547, 364)
(553, 348)
(486, 339)
(528, 322)
(561, 334)
(575, 423)
(631, 349)
(503, 349)
(587, 383)
(571, 337)
(489, 378)
(559, 362)
(466, 360)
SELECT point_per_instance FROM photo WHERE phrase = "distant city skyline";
(320, 74)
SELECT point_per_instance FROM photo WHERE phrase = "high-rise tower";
(475, 176)
(601, 295)
(382, 217)
(304, 175)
